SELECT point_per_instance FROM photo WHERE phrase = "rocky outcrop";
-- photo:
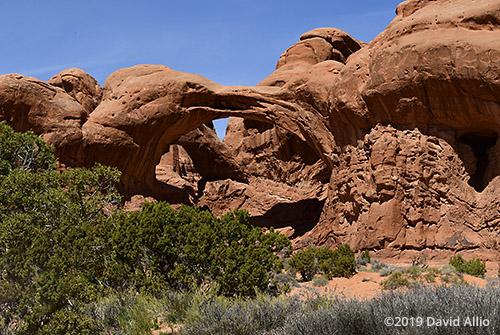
(320, 45)
(308, 68)
(390, 146)
(147, 108)
(80, 85)
(403, 192)
(28, 103)
(433, 75)
(435, 66)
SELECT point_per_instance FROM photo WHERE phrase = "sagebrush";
(327, 316)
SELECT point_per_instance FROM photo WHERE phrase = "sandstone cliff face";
(390, 146)
(402, 192)
(433, 75)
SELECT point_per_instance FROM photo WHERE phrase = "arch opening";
(480, 142)
(220, 126)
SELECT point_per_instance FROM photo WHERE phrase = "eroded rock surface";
(403, 192)
(147, 108)
(28, 103)
(80, 85)
(390, 146)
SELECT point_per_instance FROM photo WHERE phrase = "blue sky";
(232, 42)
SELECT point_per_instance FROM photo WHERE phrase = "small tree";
(395, 281)
(473, 267)
(306, 263)
(365, 255)
(333, 263)
(343, 261)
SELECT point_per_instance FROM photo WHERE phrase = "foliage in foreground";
(52, 243)
(191, 247)
(65, 243)
(203, 312)
(326, 316)
(332, 263)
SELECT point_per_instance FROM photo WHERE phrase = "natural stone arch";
(146, 108)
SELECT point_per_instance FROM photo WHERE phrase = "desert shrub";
(286, 280)
(414, 272)
(493, 282)
(129, 312)
(122, 313)
(417, 276)
(241, 317)
(377, 265)
(325, 257)
(361, 261)
(448, 269)
(320, 281)
(332, 263)
(138, 313)
(474, 267)
(458, 263)
(326, 316)
(396, 280)
(431, 274)
(386, 271)
(344, 264)
(306, 263)
(366, 256)
(382, 268)
(263, 315)
(191, 247)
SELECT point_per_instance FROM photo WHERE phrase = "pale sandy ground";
(363, 285)
(353, 287)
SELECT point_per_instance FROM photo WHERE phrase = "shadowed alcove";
(480, 141)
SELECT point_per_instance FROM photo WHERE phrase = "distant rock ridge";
(390, 146)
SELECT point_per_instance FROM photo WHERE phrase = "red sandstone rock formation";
(27, 103)
(390, 146)
(425, 178)
(80, 85)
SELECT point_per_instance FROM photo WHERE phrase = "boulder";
(80, 85)
(28, 103)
